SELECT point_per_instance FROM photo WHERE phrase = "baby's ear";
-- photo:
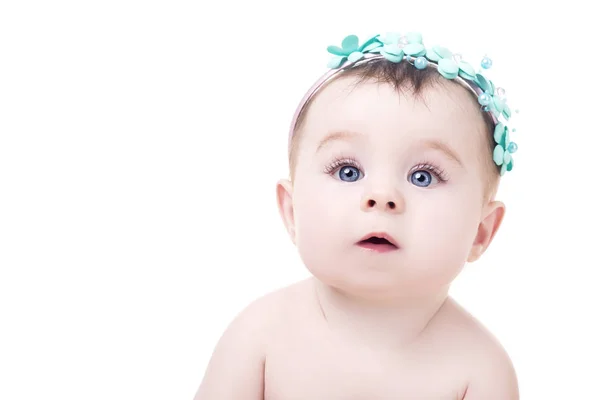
(493, 214)
(286, 207)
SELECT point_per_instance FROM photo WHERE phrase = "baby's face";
(372, 161)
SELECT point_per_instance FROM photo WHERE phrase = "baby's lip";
(379, 238)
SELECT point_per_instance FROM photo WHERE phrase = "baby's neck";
(387, 323)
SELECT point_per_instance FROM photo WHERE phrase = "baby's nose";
(383, 202)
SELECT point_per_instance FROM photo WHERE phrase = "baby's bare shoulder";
(240, 353)
(488, 369)
(266, 315)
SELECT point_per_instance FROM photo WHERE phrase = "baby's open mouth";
(379, 243)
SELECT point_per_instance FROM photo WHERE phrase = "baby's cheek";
(327, 204)
(322, 219)
(311, 220)
(446, 232)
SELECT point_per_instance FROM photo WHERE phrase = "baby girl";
(395, 155)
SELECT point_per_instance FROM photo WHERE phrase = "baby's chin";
(380, 285)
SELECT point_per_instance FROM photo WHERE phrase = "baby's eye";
(422, 178)
(349, 173)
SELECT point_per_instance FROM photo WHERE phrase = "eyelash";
(341, 162)
(430, 167)
(424, 165)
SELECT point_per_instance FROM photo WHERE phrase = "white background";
(140, 144)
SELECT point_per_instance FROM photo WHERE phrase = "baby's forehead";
(443, 111)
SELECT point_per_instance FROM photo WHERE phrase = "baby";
(395, 159)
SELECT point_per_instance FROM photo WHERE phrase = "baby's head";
(394, 167)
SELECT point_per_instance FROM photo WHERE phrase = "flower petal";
(492, 88)
(443, 52)
(392, 49)
(466, 70)
(448, 68)
(432, 55)
(336, 61)
(355, 56)
(510, 165)
(414, 38)
(335, 50)
(374, 41)
(482, 82)
(350, 43)
(396, 58)
(463, 75)
(371, 47)
(389, 38)
(415, 49)
(498, 155)
(499, 104)
(499, 133)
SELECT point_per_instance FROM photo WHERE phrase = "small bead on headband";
(395, 48)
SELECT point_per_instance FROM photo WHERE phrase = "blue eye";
(346, 169)
(349, 174)
(421, 178)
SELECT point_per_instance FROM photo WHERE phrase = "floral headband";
(395, 48)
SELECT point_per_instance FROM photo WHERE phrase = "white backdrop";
(140, 143)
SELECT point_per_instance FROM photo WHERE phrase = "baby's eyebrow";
(429, 143)
(338, 135)
(443, 147)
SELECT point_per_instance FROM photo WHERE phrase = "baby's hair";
(405, 78)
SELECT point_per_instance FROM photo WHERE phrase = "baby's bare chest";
(309, 367)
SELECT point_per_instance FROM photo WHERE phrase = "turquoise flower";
(450, 65)
(351, 50)
(496, 102)
(415, 46)
(393, 45)
(504, 148)
(499, 107)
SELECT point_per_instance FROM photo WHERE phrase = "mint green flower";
(497, 104)
(504, 148)
(499, 107)
(450, 65)
(436, 53)
(393, 45)
(415, 46)
(351, 50)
